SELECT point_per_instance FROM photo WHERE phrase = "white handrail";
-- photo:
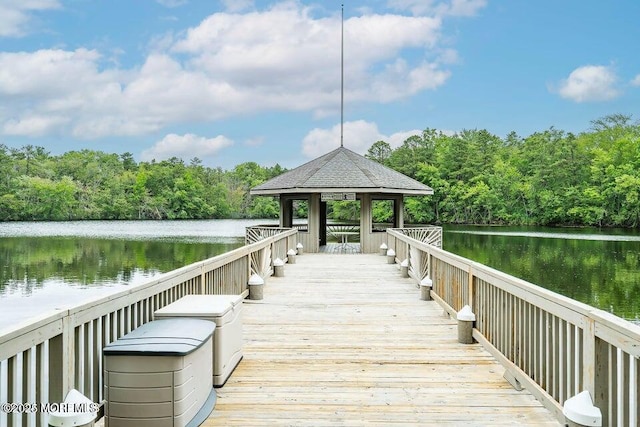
(555, 345)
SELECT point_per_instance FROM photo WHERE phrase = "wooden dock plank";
(344, 340)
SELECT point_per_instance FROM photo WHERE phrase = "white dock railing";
(554, 346)
(40, 361)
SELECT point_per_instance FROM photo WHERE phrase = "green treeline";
(548, 178)
(95, 185)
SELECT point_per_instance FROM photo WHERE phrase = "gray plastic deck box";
(226, 312)
(160, 375)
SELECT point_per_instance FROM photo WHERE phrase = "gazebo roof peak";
(342, 170)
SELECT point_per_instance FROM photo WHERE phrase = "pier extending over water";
(345, 340)
(351, 332)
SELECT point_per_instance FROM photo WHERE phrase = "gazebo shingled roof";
(342, 170)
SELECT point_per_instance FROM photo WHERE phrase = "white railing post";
(203, 280)
(273, 255)
(68, 358)
(61, 362)
(247, 266)
(470, 301)
(589, 356)
(429, 273)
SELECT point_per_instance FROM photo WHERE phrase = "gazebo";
(340, 175)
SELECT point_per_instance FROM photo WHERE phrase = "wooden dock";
(344, 340)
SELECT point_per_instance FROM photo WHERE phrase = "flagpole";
(342, 80)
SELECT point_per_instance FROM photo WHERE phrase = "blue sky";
(239, 80)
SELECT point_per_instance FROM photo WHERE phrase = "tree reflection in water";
(597, 269)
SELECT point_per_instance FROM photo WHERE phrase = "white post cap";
(255, 279)
(580, 410)
(391, 252)
(404, 263)
(466, 314)
(299, 245)
(291, 252)
(383, 246)
(278, 262)
(66, 418)
(426, 282)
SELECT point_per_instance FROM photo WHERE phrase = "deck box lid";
(164, 337)
(201, 306)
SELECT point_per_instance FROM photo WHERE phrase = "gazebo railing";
(260, 232)
(334, 230)
(431, 235)
(419, 265)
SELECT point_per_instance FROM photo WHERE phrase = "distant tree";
(610, 122)
(379, 152)
(415, 150)
(128, 163)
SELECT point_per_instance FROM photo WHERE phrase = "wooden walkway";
(345, 341)
(337, 248)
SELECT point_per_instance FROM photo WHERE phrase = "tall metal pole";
(342, 80)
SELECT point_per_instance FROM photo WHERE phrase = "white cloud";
(358, 136)
(590, 83)
(292, 61)
(288, 61)
(16, 15)
(52, 91)
(439, 8)
(34, 125)
(448, 56)
(636, 81)
(46, 73)
(185, 146)
(425, 76)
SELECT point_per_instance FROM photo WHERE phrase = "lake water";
(51, 265)
(45, 266)
(599, 267)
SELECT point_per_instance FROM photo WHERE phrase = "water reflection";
(52, 266)
(592, 267)
(28, 263)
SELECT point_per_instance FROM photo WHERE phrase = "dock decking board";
(344, 340)
(338, 248)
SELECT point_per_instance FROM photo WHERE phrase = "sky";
(233, 81)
